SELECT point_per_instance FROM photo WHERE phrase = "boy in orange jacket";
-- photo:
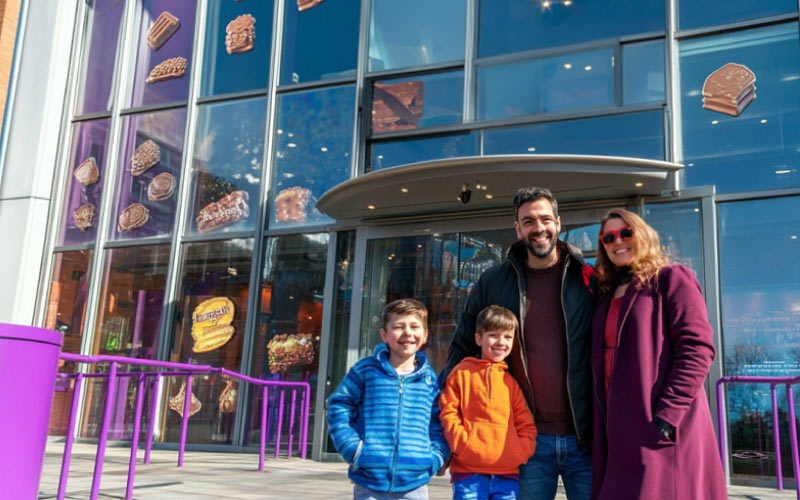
(486, 420)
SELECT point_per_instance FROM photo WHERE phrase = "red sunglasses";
(624, 233)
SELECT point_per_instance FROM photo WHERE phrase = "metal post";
(137, 425)
(777, 436)
(101, 445)
(304, 422)
(264, 394)
(152, 424)
(291, 422)
(280, 421)
(187, 404)
(73, 412)
(721, 427)
(793, 433)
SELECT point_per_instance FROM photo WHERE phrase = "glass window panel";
(146, 206)
(241, 63)
(87, 169)
(760, 148)
(639, 135)
(517, 25)
(290, 318)
(478, 251)
(387, 154)
(99, 54)
(215, 281)
(226, 176)
(312, 151)
(417, 102)
(560, 83)
(582, 236)
(416, 33)
(759, 248)
(680, 228)
(643, 72)
(169, 47)
(320, 42)
(701, 13)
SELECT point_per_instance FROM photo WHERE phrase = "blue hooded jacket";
(386, 426)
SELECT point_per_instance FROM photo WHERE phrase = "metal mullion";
(741, 25)
(414, 70)
(758, 195)
(605, 43)
(137, 242)
(470, 54)
(362, 107)
(72, 248)
(90, 116)
(253, 304)
(327, 82)
(233, 96)
(617, 55)
(672, 118)
(151, 108)
(208, 238)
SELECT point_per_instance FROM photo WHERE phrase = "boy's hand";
(445, 466)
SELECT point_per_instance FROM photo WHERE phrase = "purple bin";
(28, 366)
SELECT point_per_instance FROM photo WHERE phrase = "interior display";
(211, 324)
(146, 156)
(396, 106)
(162, 29)
(227, 399)
(176, 402)
(161, 187)
(173, 67)
(291, 204)
(240, 34)
(135, 215)
(87, 173)
(307, 4)
(84, 216)
(229, 209)
(285, 351)
(730, 89)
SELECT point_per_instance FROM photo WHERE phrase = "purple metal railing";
(774, 382)
(168, 369)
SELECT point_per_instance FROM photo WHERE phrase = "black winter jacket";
(505, 285)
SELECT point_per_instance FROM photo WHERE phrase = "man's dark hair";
(532, 193)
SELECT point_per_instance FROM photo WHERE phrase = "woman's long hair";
(647, 259)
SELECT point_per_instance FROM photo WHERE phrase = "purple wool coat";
(665, 348)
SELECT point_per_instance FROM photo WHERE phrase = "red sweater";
(486, 420)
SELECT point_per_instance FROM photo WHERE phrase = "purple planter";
(28, 365)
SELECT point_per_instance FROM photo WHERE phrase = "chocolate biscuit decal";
(174, 67)
(87, 173)
(83, 216)
(729, 89)
(161, 187)
(176, 402)
(229, 209)
(291, 204)
(240, 34)
(134, 216)
(146, 156)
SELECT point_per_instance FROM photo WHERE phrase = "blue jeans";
(556, 455)
(363, 493)
(486, 487)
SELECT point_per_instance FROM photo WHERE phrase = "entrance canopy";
(441, 186)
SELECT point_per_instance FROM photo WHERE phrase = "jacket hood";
(381, 354)
(478, 364)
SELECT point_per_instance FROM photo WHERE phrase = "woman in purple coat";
(652, 346)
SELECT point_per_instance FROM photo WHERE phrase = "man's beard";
(541, 253)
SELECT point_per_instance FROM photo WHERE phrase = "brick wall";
(9, 17)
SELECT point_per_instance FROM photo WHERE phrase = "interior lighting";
(794, 236)
(567, 2)
(587, 67)
(697, 210)
(763, 120)
(714, 122)
(291, 134)
(546, 4)
(781, 172)
(323, 149)
(292, 145)
(371, 207)
(639, 184)
(531, 149)
(567, 65)
(489, 196)
(280, 131)
(403, 190)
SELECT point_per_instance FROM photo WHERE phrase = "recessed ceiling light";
(567, 2)
(763, 120)
(380, 157)
(714, 122)
(697, 210)
(489, 196)
(403, 190)
(587, 67)
(371, 207)
(639, 184)
(567, 65)
(323, 149)
(781, 172)
(531, 149)
(691, 165)
(280, 131)
(794, 236)
(292, 145)
(291, 134)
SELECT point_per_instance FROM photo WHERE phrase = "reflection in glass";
(516, 25)
(290, 319)
(158, 47)
(87, 170)
(415, 33)
(478, 252)
(638, 135)
(152, 150)
(239, 62)
(209, 329)
(66, 309)
(700, 13)
(387, 154)
(760, 148)
(643, 72)
(680, 228)
(559, 83)
(417, 102)
(582, 236)
(226, 176)
(312, 151)
(320, 42)
(99, 54)
(760, 314)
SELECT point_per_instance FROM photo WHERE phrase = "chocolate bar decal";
(162, 30)
(211, 324)
(229, 209)
(729, 89)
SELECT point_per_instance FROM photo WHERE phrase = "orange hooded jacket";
(486, 421)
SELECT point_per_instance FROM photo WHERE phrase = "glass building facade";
(194, 159)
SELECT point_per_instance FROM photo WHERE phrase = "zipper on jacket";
(566, 334)
(399, 421)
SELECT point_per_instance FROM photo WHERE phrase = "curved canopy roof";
(435, 186)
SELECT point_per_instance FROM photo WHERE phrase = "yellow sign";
(211, 324)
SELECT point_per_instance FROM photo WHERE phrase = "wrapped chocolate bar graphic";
(171, 68)
(162, 29)
(211, 324)
(307, 4)
(176, 402)
(397, 106)
(84, 217)
(229, 209)
(227, 399)
(135, 215)
(87, 173)
(146, 156)
(291, 204)
(288, 350)
(161, 187)
(729, 90)
(240, 34)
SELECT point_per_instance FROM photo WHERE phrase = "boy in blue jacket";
(384, 416)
